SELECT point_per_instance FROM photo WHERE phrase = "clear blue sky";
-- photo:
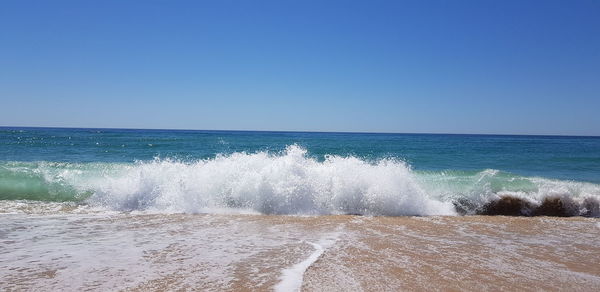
(522, 67)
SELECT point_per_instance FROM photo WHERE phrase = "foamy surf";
(292, 182)
(291, 278)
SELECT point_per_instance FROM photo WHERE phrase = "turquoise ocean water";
(292, 172)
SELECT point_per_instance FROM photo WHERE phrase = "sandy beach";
(153, 252)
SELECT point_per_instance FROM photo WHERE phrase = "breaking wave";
(291, 182)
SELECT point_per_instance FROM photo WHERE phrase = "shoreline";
(153, 252)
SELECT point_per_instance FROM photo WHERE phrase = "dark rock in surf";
(558, 207)
(508, 206)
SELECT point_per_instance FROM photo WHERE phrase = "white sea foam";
(291, 278)
(285, 183)
(290, 182)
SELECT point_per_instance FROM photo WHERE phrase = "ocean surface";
(306, 173)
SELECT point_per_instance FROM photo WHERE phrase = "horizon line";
(300, 131)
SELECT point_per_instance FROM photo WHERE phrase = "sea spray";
(287, 182)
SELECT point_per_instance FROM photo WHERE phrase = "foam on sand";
(291, 278)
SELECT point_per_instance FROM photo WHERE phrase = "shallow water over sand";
(75, 250)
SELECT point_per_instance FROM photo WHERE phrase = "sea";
(139, 210)
(303, 173)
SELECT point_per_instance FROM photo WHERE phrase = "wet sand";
(472, 253)
(150, 252)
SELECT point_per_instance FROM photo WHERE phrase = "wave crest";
(292, 182)
(285, 183)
